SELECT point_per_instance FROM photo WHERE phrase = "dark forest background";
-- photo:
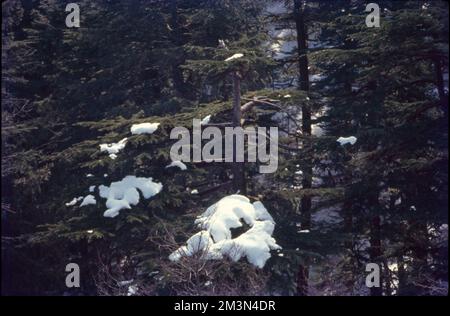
(383, 199)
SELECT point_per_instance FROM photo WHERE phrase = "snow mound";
(215, 240)
(178, 164)
(114, 148)
(88, 200)
(144, 128)
(347, 140)
(122, 194)
(235, 56)
(205, 120)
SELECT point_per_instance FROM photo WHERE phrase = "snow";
(178, 164)
(88, 200)
(299, 172)
(205, 120)
(122, 194)
(114, 148)
(195, 191)
(347, 140)
(126, 282)
(303, 231)
(74, 201)
(92, 188)
(132, 290)
(90, 231)
(144, 128)
(215, 240)
(89, 175)
(235, 56)
(287, 96)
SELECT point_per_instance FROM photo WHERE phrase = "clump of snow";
(114, 148)
(105, 175)
(205, 120)
(122, 194)
(215, 242)
(132, 290)
(90, 231)
(126, 282)
(74, 201)
(303, 231)
(195, 191)
(88, 200)
(235, 56)
(178, 164)
(347, 140)
(287, 96)
(92, 188)
(144, 128)
(89, 175)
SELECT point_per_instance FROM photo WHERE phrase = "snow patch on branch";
(88, 200)
(122, 194)
(347, 140)
(74, 201)
(114, 148)
(178, 164)
(215, 240)
(144, 128)
(206, 120)
(235, 56)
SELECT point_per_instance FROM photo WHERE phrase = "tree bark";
(237, 168)
(177, 74)
(305, 203)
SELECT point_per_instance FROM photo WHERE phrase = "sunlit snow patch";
(113, 148)
(347, 140)
(235, 56)
(88, 200)
(124, 193)
(206, 120)
(74, 201)
(178, 164)
(144, 128)
(215, 241)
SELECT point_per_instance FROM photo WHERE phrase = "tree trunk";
(237, 168)
(305, 204)
(178, 81)
(375, 250)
